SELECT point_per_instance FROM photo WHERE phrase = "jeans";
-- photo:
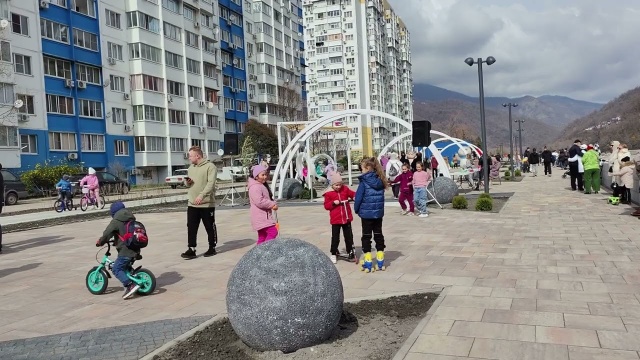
(591, 179)
(208, 217)
(266, 234)
(369, 227)
(534, 169)
(66, 195)
(420, 198)
(335, 237)
(406, 196)
(547, 168)
(576, 176)
(119, 269)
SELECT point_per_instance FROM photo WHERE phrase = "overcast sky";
(584, 49)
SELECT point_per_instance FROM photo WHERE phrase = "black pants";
(434, 172)
(547, 168)
(335, 237)
(396, 190)
(576, 176)
(372, 227)
(625, 194)
(208, 217)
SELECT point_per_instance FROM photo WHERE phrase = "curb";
(404, 349)
(221, 316)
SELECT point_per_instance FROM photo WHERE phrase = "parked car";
(177, 179)
(109, 182)
(14, 189)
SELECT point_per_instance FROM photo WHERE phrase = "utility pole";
(511, 105)
(520, 130)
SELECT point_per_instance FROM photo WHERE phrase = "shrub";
(484, 204)
(507, 174)
(44, 176)
(518, 173)
(304, 194)
(460, 202)
(484, 196)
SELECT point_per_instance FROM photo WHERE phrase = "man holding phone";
(201, 181)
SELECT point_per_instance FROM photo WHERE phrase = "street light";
(510, 105)
(485, 161)
(520, 130)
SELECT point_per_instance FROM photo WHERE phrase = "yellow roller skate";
(380, 261)
(366, 264)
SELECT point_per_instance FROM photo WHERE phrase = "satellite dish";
(107, 82)
(209, 105)
(4, 23)
(191, 99)
(220, 152)
(18, 104)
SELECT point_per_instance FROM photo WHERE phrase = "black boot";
(210, 252)
(189, 254)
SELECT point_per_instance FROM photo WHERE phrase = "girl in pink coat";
(91, 181)
(262, 205)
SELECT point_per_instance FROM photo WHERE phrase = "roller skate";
(614, 200)
(380, 261)
(366, 264)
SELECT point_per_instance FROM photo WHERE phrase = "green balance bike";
(98, 277)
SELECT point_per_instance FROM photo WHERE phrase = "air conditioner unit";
(127, 128)
(255, 36)
(23, 117)
(112, 61)
(44, 4)
(196, 24)
(250, 96)
(201, 103)
(186, 155)
(127, 96)
(169, 98)
(82, 84)
(232, 18)
(202, 129)
(250, 54)
(68, 83)
(233, 90)
(291, 67)
(72, 156)
(234, 46)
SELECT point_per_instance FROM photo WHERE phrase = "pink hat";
(256, 170)
(335, 177)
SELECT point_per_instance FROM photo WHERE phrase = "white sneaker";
(403, 212)
(334, 259)
(411, 214)
(423, 215)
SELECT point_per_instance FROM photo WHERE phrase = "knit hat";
(589, 147)
(256, 170)
(92, 171)
(115, 207)
(335, 178)
(65, 177)
(583, 147)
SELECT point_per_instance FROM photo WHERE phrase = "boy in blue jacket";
(64, 188)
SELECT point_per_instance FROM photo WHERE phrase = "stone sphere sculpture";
(284, 295)
(445, 189)
(291, 188)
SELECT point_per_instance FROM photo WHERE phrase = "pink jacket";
(261, 204)
(91, 181)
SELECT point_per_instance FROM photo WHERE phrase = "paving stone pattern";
(119, 342)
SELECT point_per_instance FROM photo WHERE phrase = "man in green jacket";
(591, 163)
(201, 181)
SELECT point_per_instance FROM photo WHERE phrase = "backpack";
(135, 235)
(394, 170)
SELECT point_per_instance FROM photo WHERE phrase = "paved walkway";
(554, 275)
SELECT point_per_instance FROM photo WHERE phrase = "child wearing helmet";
(120, 217)
(64, 188)
(92, 183)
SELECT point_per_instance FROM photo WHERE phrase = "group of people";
(532, 159)
(409, 181)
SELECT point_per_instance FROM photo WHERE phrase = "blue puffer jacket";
(369, 202)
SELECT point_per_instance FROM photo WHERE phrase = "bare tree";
(290, 103)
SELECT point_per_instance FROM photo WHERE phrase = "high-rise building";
(359, 57)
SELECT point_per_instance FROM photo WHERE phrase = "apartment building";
(359, 57)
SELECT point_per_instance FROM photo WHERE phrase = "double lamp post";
(510, 105)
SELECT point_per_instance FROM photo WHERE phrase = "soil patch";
(368, 330)
(499, 201)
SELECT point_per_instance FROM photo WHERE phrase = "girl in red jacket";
(336, 200)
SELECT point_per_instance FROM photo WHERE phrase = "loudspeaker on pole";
(421, 133)
(231, 144)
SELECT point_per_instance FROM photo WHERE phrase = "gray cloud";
(585, 49)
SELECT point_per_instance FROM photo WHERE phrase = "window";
(61, 3)
(213, 121)
(188, 12)
(57, 68)
(142, 20)
(90, 108)
(92, 142)
(22, 64)
(206, 19)
(29, 144)
(172, 32)
(57, 104)
(62, 141)
(150, 143)
(6, 94)
(178, 144)
(210, 70)
(177, 117)
(5, 51)
(119, 116)
(85, 39)
(144, 51)
(147, 82)
(213, 146)
(211, 95)
(112, 19)
(122, 147)
(28, 104)
(116, 83)
(148, 113)
(114, 50)
(86, 7)
(230, 126)
(228, 104)
(241, 106)
(173, 60)
(198, 143)
(241, 84)
(8, 136)
(195, 92)
(171, 5)
(196, 119)
(191, 39)
(88, 73)
(193, 66)
(175, 88)
(20, 24)
(54, 31)
(208, 45)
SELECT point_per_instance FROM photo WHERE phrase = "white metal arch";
(292, 148)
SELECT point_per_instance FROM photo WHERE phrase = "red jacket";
(339, 214)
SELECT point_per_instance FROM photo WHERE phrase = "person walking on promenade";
(392, 170)
(591, 170)
(534, 161)
(547, 160)
(576, 176)
(262, 205)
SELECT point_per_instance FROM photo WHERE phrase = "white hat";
(583, 147)
(92, 171)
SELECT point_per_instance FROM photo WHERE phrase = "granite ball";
(445, 189)
(291, 188)
(284, 295)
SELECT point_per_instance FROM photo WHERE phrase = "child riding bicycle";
(121, 216)
(92, 183)
(64, 188)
